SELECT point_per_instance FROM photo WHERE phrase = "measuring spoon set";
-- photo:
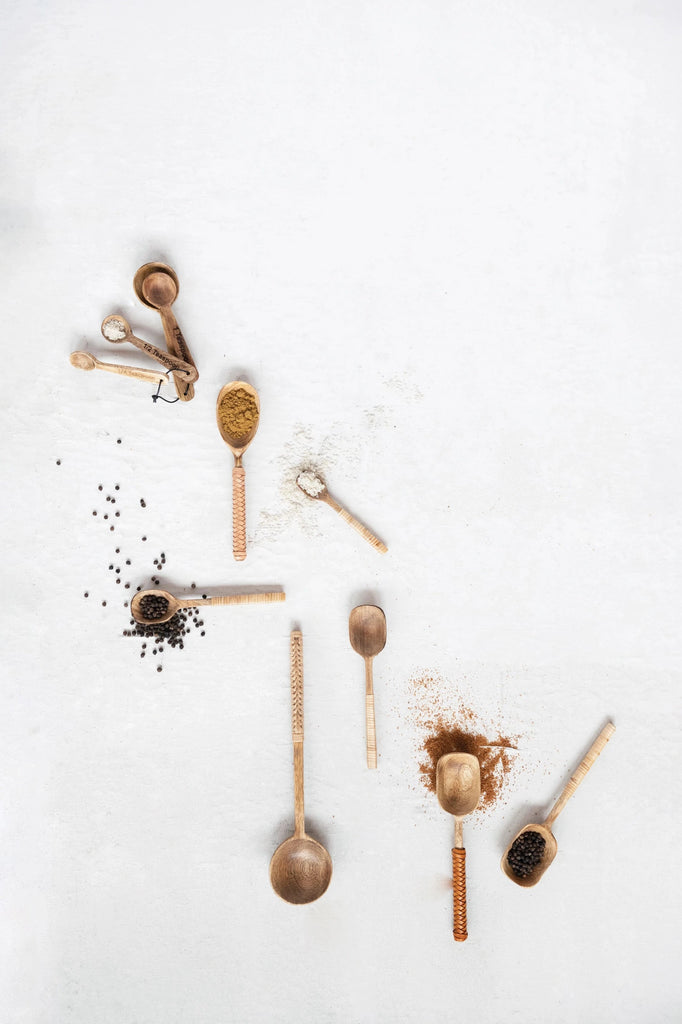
(156, 286)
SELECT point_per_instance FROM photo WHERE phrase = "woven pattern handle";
(581, 771)
(371, 731)
(459, 894)
(377, 544)
(296, 674)
(239, 513)
(256, 598)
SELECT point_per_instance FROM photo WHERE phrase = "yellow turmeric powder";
(238, 413)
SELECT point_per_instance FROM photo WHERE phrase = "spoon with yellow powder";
(315, 488)
(237, 413)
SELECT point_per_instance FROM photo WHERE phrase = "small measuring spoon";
(458, 788)
(314, 487)
(117, 330)
(367, 631)
(238, 445)
(157, 286)
(86, 361)
(548, 853)
(174, 604)
(301, 868)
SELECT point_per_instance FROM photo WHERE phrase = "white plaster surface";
(444, 240)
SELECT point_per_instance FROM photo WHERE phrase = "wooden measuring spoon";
(86, 361)
(548, 853)
(367, 631)
(314, 487)
(458, 788)
(116, 329)
(157, 285)
(238, 445)
(173, 604)
(301, 868)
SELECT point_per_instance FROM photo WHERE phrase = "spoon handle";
(257, 597)
(356, 524)
(137, 372)
(239, 513)
(459, 894)
(371, 729)
(296, 674)
(184, 369)
(178, 346)
(580, 772)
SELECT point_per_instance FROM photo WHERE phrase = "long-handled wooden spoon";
(314, 487)
(86, 361)
(458, 787)
(116, 329)
(301, 868)
(153, 607)
(157, 286)
(238, 444)
(533, 856)
(367, 631)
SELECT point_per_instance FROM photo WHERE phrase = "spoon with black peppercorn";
(458, 788)
(301, 868)
(534, 848)
(116, 329)
(156, 606)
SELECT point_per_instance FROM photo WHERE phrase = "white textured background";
(444, 242)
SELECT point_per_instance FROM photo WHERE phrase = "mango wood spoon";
(367, 631)
(532, 856)
(157, 286)
(458, 787)
(152, 607)
(86, 361)
(238, 391)
(301, 868)
(314, 487)
(117, 330)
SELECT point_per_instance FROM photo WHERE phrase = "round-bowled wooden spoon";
(175, 603)
(157, 286)
(367, 631)
(238, 445)
(314, 487)
(301, 868)
(458, 787)
(545, 829)
(116, 329)
(86, 361)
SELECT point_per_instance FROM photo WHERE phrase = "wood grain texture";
(367, 634)
(86, 361)
(377, 544)
(580, 772)
(176, 603)
(157, 286)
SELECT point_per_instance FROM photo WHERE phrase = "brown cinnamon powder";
(453, 726)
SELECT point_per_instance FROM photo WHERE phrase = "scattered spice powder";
(455, 727)
(238, 413)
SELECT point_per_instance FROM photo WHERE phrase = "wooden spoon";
(458, 787)
(367, 631)
(550, 849)
(238, 446)
(116, 329)
(86, 361)
(156, 284)
(175, 603)
(301, 868)
(314, 487)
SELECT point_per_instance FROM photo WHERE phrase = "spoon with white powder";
(116, 329)
(314, 487)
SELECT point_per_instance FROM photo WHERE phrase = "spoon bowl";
(458, 783)
(157, 286)
(300, 869)
(548, 855)
(147, 271)
(159, 289)
(164, 612)
(238, 443)
(83, 361)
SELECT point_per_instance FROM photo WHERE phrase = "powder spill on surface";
(448, 725)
